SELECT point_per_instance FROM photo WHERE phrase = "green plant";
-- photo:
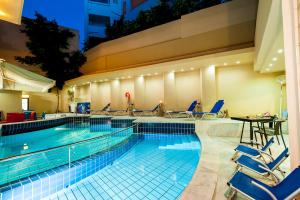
(49, 49)
(166, 11)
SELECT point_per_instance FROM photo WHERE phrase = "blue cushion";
(250, 163)
(247, 150)
(284, 189)
(242, 183)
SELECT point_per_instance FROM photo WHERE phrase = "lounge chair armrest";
(264, 189)
(265, 153)
(277, 179)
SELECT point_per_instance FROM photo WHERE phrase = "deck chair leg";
(230, 194)
(234, 156)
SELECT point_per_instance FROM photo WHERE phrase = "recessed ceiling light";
(225, 64)
(280, 51)
(238, 62)
(270, 65)
(275, 59)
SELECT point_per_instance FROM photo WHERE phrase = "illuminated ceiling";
(11, 10)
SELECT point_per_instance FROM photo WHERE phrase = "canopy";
(16, 78)
(11, 10)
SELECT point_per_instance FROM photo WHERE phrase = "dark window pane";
(98, 20)
(101, 1)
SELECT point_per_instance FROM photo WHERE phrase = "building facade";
(98, 13)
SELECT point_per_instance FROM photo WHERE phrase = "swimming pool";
(133, 159)
(159, 167)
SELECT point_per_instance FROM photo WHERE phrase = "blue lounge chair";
(137, 111)
(288, 188)
(252, 152)
(188, 111)
(214, 111)
(263, 168)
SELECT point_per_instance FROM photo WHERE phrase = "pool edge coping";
(204, 181)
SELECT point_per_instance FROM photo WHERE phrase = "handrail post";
(69, 148)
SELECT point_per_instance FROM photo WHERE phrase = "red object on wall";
(32, 115)
(15, 117)
(136, 3)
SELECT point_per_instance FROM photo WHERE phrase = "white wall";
(154, 92)
(10, 101)
(245, 92)
(187, 88)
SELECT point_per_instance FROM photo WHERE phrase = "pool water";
(27, 165)
(44, 139)
(158, 167)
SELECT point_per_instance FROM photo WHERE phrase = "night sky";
(68, 13)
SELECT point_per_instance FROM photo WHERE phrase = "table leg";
(242, 132)
(280, 129)
(266, 136)
(251, 134)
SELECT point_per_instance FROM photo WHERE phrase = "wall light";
(270, 65)
(2, 13)
(211, 69)
(225, 64)
(275, 59)
(238, 62)
(280, 51)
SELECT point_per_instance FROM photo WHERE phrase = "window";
(101, 1)
(98, 20)
(25, 103)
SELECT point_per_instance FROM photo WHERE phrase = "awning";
(16, 78)
(11, 10)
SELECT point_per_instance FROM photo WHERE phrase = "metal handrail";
(61, 146)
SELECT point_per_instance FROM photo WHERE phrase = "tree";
(49, 47)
